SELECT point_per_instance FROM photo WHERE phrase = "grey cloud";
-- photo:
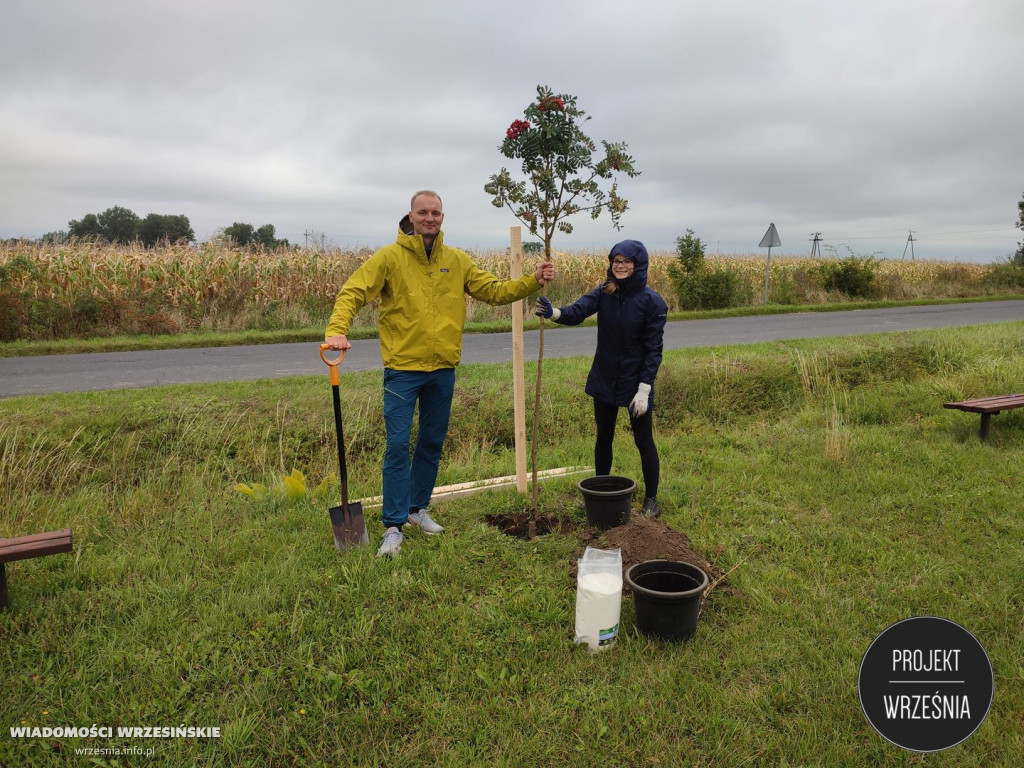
(861, 118)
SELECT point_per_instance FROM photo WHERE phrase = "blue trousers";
(409, 483)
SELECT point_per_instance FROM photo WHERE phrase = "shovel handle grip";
(335, 381)
(334, 362)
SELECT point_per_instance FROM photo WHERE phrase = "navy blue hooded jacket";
(630, 330)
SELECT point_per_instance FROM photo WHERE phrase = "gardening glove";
(545, 309)
(639, 405)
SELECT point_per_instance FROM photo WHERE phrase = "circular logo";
(925, 684)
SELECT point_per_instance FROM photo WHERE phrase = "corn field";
(83, 290)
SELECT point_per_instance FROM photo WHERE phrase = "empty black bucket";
(666, 597)
(607, 499)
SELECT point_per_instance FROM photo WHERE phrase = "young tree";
(563, 173)
(690, 250)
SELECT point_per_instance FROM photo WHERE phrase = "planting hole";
(517, 524)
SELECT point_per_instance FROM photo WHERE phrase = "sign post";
(769, 241)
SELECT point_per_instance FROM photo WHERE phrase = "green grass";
(824, 474)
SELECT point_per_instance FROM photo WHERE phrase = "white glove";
(639, 405)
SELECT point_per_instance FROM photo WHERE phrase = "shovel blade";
(349, 529)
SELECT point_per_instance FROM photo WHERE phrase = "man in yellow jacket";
(421, 284)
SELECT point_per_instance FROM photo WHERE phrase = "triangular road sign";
(770, 239)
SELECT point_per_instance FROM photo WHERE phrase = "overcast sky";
(859, 119)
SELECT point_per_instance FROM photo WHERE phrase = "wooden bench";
(987, 407)
(25, 547)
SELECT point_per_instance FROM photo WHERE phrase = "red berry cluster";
(518, 128)
(554, 102)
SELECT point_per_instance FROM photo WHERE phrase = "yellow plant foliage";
(290, 489)
(293, 486)
(256, 491)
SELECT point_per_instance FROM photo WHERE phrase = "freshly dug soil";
(518, 524)
(641, 539)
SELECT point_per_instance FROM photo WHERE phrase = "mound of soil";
(641, 539)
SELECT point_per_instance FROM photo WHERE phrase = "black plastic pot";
(666, 597)
(607, 499)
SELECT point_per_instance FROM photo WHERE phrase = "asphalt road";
(126, 370)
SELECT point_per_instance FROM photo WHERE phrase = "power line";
(968, 231)
(938, 233)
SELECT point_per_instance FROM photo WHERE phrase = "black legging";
(643, 435)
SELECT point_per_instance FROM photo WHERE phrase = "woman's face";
(622, 267)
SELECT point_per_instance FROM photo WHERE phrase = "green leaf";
(323, 489)
(559, 167)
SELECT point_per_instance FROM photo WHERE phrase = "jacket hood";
(407, 237)
(637, 253)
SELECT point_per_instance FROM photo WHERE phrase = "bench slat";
(35, 545)
(36, 537)
(989, 404)
(988, 407)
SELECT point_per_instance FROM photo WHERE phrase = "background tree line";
(122, 226)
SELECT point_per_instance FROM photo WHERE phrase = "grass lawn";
(824, 475)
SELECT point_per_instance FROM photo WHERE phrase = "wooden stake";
(518, 359)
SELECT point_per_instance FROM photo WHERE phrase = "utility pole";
(814, 245)
(910, 244)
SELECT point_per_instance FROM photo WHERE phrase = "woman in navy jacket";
(630, 331)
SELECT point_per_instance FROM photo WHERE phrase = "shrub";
(853, 275)
(699, 286)
(795, 286)
(87, 310)
(711, 288)
(47, 318)
(12, 315)
(687, 287)
(1007, 275)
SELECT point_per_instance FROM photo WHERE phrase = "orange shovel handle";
(333, 363)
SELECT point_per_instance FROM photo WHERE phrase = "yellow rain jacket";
(422, 304)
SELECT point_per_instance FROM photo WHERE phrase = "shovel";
(347, 520)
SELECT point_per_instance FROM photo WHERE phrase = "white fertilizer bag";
(598, 597)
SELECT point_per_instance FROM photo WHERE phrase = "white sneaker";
(391, 544)
(425, 522)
